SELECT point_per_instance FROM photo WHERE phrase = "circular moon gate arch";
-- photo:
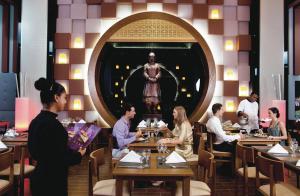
(94, 68)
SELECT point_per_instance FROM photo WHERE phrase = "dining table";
(156, 171)
(149, 143)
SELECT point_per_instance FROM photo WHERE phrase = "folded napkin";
(236, 125)
(174, 157)
(298, 163)
(142, 124)
(278, 149)
(81, 121)
(131, 157)
(161, 123)
(2, 145)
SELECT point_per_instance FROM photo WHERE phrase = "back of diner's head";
(50, 91)
(216, 107)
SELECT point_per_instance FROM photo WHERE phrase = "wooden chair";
(247, 156)
(102, 187)
(206, 161)
(7, 163)
(220, 157)
(275, 171)
(21, 170)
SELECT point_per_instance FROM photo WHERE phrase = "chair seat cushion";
(108, 187)
(197, 188)
(3, 184)
(27, 169)
(251, 173)
(220, 153)
(281, 189)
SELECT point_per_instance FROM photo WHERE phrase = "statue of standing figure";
(152, 89)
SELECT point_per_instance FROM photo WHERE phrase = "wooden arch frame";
(94, 69)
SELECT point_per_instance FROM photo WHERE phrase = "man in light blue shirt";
(121, 131)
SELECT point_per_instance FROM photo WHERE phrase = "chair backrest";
(271, 168)
(246, 154)
(6, 161)
(210, 139)
(90, 191)
(115, 142)
(206, 162)
(97, 158)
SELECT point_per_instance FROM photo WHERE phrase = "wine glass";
(156, 131)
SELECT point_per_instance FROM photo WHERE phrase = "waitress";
(47, 143)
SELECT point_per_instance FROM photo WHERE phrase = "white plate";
(140, 139)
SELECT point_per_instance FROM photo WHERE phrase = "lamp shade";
(22, 114)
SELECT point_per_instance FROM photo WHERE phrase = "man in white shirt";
(223, 141)
(248, 108)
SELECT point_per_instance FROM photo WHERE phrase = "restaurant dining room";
(149, 97)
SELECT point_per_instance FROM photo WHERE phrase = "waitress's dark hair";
(275, 111)
(48, 90)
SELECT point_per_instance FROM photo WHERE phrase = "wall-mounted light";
(116, 83)
(122, 89)
(116, 95)
(230, 73)
(215, 14)
(117, 66)
(188, 95)
(229, 105)
(244, 90)
(77, 74)
(158, 107)
(127, 67)
(229, 45)
(62, 58)
(177, 67)
(183, 78)
(77, 104)
(122, 78)
(183, 89)
(78, 42)
(121, 101)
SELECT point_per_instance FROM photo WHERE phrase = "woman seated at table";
(183, 135)
(276, 128)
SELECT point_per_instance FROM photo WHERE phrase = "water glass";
(156, 131)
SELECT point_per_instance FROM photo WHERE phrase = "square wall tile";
(94, 2)
(76, 114)
(64, 11)
(200, 11)
(230, 28)
(216, 27)
(231, 2)
(94, 11)
(216, 45)
(243, 58)
(139, 1)
(139, 7)
(65, 84)
(199, 1)
(105, 24)
(244, 2)
(88, 103)
(231, 88)
(61, 71)
(88, 54)
(185, 10)
(78, 26)
(243, 28)
(169, 1)
(62, 56)
(63, 25)
(76, 87)
(91, 39)
(108, 10)
(231, 115)
(155, 7)
(201, 25)
(244, 88)
(62, 115)
(124, 10)
(78, 72)
(215, 12)
(79, 1)
(244, 73)
(77, 40)
(184, 1)
(154, 1)
(62, 40)
(219, 72)
(230, 105)
(78, 11)
(61, 2)
(230, 12)
(229, 44)
(77, 56)
(171, 8)
(230, 73)
(244, 42)
(230, 58)
(93, 25)
(243, 13)
(215, 2)
(91, 116)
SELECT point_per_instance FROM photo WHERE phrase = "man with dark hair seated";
(223, 141)
(121, 134)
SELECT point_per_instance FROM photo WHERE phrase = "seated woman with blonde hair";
(183, 134)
